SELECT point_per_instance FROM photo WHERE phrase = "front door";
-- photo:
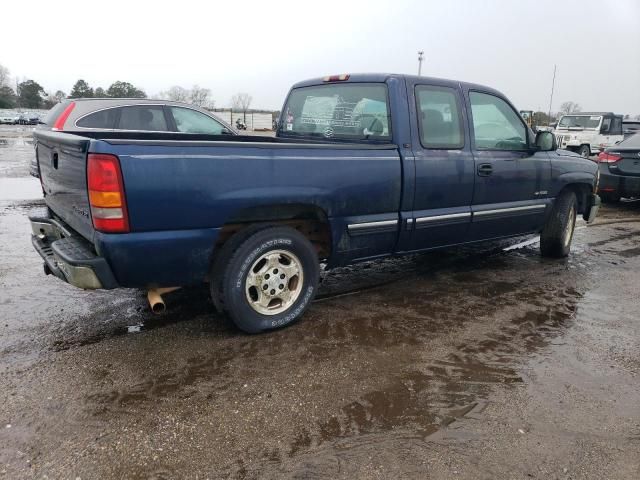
(444, 169)
(512, 180)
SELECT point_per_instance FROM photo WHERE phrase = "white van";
(589, 133)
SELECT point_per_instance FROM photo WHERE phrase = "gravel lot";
(472, 363)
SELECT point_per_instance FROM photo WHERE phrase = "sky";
(263, 47)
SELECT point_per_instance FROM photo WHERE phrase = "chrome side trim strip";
(381, 225)
(437, 218)
(482, 213)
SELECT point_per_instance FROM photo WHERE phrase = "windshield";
(354, 111)
(580, 121)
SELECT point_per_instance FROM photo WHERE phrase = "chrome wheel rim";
(274, 282)
(585, 153)
(568, 228)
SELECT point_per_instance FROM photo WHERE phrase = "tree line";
(30, 94)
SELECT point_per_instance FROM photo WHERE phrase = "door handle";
(485, 169)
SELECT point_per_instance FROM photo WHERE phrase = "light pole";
(553, 84)
(420, 58)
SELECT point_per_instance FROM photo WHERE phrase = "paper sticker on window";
(289, 126)
(594, 118)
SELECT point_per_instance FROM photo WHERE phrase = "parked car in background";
(22, 119)
(84, 115)
(363, 166)
(630, 127)
(7, 119)
(33, 119)
(588, 133)
(132, 115)
(620, 170)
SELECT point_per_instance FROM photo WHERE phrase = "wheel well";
(309, 220)
(582, 191)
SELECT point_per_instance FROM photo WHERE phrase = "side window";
(616, 126)
(605, 128)
(101, 119)
(439, 117)
(192, 121)
(143, 117)
(496, 126)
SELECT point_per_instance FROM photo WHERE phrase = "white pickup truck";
(589, 133)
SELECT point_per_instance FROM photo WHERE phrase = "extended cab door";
(444, 167)
(511, 179)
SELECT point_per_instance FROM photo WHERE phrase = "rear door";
(444, 168)
(143, 118)
(511, 182)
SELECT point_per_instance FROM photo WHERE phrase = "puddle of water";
(19, 189)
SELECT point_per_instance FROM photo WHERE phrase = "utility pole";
(18, 93)
(420, 58)
(553, 84)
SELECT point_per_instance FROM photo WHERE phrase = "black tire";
(584, 151)
(231, 285)
(222, 258)
(609, 198)
(556, 236)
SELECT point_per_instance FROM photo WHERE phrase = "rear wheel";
(584, 151)
(557, 234)
(269, 280)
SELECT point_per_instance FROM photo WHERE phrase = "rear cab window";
(346, 111)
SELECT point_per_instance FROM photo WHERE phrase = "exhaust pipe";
(154, 296)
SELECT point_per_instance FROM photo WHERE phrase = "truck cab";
(589, 133)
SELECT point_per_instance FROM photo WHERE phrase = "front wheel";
(557, 234)
(584, 151)
(269, 280)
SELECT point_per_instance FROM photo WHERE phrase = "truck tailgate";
(62, 160)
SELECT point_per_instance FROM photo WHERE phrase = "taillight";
(59, 123)
(106, 193)
(604, 157)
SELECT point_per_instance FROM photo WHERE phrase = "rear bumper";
(69, 257)
(619, 185)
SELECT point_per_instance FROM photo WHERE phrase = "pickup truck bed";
(199, 186)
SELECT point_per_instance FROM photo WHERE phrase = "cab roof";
(385, 77)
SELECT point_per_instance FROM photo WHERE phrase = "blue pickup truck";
(362, 166)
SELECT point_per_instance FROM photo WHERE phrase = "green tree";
(100, 93)
(124, 90)
(7, 97)
(30, 94)
(81, 89)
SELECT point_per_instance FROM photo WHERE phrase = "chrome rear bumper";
(68, 256)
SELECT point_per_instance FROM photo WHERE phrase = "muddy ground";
(471, 363)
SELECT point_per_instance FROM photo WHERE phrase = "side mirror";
(546, 141)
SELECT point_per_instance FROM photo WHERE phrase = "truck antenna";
(420, 59)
